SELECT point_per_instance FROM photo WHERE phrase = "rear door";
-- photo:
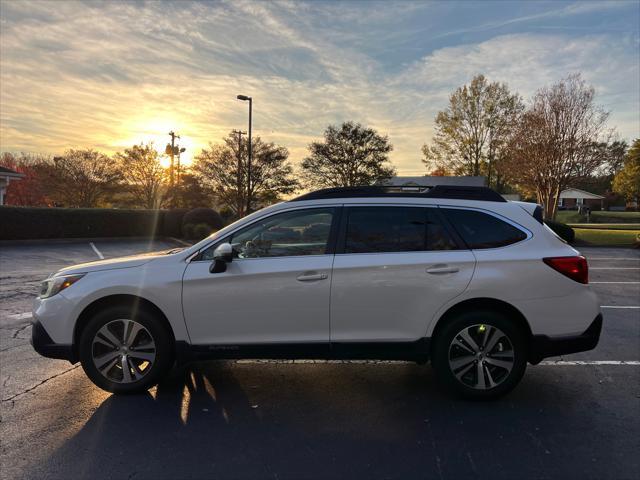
(395, 266)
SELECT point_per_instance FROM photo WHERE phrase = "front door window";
(294, 233)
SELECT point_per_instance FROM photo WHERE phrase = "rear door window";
(481, 230)
(395, 229)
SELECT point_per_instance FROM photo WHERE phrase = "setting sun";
(157, 133)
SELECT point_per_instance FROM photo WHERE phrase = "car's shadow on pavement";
(227, 420)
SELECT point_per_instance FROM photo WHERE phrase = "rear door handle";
(312, 277)
(442, 269)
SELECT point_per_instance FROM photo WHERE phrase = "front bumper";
(45, 346)
(543, 346)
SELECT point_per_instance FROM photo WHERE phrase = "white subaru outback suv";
(456, 275)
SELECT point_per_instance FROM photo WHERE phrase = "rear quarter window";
(481, 230)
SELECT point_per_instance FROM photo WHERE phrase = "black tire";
(155, 328)
(478, 322)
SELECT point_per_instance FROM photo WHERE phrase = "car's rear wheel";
(480, 355)
(125, 350)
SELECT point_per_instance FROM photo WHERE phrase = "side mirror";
(222, 255)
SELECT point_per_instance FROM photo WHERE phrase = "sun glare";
(157, 133)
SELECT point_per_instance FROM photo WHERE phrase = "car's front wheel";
(480, 355)
(125, 350)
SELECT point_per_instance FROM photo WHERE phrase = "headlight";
(54, 285)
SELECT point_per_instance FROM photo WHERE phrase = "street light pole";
(245, 98)
(239, 205)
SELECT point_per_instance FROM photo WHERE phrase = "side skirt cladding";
(417, 351)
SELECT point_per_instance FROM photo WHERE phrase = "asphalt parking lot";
(571, 417)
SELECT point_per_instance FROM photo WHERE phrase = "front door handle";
(442, 269)
(312, 277)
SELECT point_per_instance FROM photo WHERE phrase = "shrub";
(562, 230)
(173, 222)
(207, 216)
(196, 231)
(227, 215)
(187, 231)
(201, 230)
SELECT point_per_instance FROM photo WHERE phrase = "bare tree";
(472, 133)
(82, 178)
(350, 155)
(145, 176)
(222, 169)
(553, 144)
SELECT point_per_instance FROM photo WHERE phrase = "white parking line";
(560, 363)
(95, 249)
(613, 258)
(546, 363)
(632, 307)
(626, 283)
(614, 268)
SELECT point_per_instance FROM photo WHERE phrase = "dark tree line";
(219, 177)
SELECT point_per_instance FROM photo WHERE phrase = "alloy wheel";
(123, 351)
(481, 356)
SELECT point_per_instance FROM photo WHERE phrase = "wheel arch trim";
(134, 301)
(481, 303)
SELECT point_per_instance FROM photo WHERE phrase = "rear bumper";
(543, 346)
(45, 346)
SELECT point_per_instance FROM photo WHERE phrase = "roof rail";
(437, 191)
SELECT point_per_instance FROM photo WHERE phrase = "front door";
(276, 289)
(395, 266)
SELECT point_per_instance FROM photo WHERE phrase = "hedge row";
(22, 223)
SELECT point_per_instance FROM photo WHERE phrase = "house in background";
(7, 175)
(574, 199)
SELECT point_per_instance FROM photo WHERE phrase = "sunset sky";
(107, 75)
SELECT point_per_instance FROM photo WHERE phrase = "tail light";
(575, 268)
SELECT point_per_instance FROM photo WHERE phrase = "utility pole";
(239, 205)
(171, 150)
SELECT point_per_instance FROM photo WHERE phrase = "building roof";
(577, 193)
(430, 181)
(7, 172)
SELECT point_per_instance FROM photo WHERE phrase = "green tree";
(82, 178)
(222, 169)
(473, 132)
(350, 155)
(145, 176)
(627, 181)
(611, 156)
